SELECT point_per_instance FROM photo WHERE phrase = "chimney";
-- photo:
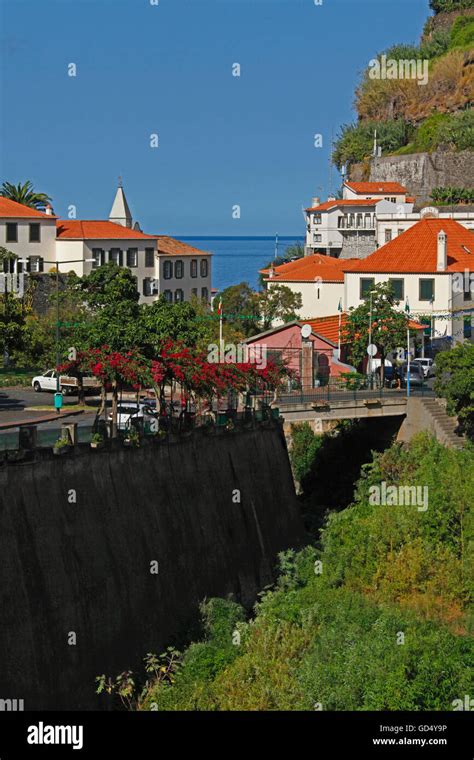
(315, 202)
(331, 197)
(48, 209)
(442, 256)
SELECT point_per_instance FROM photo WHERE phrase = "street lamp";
(371, 293)
(407, 310)
(56, 264)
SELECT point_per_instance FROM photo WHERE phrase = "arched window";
(204, 267)
(168, 296)
(194, 268)
(178, 295)
(168, 270)
(204, 294)
(178, 269)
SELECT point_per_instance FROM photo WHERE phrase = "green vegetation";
(355, 142)
(389, 325)
(455, 382)
(452, 195)
(410, 118)
(374, 617)
(446, 6)
(25, 194)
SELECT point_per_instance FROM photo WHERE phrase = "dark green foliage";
(446, 6)
(462, 33)
(452, 195)
(355, 141)
(455, 382)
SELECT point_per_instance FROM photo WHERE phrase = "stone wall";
(421, 172)
(78, 534)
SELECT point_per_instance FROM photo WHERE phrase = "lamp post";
(372, 292)
(407, 310)
(56, 264)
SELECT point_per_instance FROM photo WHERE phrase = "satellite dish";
(306, 331)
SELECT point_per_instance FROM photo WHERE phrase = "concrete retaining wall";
(78, 535)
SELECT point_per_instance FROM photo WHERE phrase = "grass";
(10, 377)
(65, 407)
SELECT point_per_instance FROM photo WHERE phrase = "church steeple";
(120, 212)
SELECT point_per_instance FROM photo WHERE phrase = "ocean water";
(238, 259)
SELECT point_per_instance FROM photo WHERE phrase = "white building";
(369, 215)
(430, 266)
(319, 280)
(28, 233)
(161, 265)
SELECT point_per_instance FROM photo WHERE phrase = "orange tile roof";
(308, 268)
(376, 187)
(416, 250)
(350, 202)
(75, 229)
(9, 208)
(328, 327)
(172, 247)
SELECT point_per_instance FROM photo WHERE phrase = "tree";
(240, 308)
(25, 194)
(277, 303)
(389, 326)
(455, 382)
(186, 323)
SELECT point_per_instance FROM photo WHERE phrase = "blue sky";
(167, 70)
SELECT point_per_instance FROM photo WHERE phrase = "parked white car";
(128, 411)
(45, 382)
(428, 366)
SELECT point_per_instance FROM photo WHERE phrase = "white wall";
(318, 300)
(444, 302)
(23, 248)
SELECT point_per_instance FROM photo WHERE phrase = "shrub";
(355, 141)
(446, 6)
(462, 32)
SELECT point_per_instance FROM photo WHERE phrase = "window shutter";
(40, 264)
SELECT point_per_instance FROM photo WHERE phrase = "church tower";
(120, 212)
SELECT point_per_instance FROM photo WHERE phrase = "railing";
(335, 391)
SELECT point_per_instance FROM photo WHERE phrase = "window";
(401, 231)
(205, 294)
(149, 257)
(132, 257)
(359, 220)
(147, 288)
(115, 255)
(168, 270)
(427, 290)
(178, 295)
(341, 222)
(12, 232)
(398, 287)
(168, 296)
(98, 256)
(204, 268)
(317, 219)
(367, 221)
(366, 285)
(317, 238)
(36, 264)
(178, 269)
(194, 292)
(35, 232)
(388, 235)
(394, 200)
(194, 268)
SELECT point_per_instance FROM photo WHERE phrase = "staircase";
(442, 425)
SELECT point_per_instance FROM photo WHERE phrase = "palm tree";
(25, 194)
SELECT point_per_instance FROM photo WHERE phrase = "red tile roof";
(16, 210)
(172, 247)
(416, 250)
(376, 187)
(308, 268)
(75, 229)
(350, 202)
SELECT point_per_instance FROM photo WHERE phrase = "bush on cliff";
(373, 618)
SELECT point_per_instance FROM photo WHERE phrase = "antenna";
(276, 246)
